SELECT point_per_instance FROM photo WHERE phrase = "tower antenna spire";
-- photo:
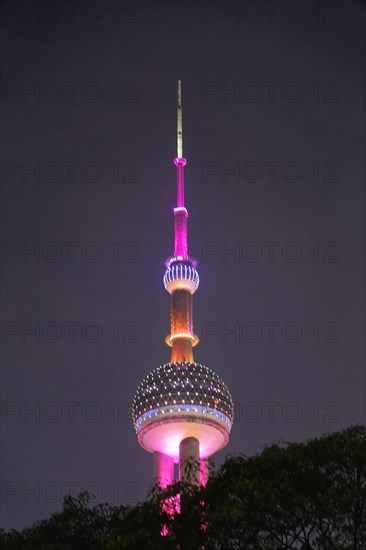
(179, 123)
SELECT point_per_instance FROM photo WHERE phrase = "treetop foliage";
(290, 496)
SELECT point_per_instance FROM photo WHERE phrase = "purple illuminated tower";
(182, 409)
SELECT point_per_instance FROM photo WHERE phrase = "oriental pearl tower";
(182, 411)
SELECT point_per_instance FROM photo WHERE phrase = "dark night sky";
(124, 65)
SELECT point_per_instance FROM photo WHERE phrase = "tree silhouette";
(305, 496)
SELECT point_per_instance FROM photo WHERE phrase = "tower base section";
(163, 469)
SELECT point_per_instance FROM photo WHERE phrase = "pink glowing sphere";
(180, 400)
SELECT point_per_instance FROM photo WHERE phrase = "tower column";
(189, 460)
(181, 313)
(163, 469)
(182, 351)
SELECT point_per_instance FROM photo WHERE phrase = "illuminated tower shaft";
(181, 288)
(185, 277)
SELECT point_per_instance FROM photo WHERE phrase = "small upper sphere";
(180, 386)
(181, 276)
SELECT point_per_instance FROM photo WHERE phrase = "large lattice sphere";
(179, 400)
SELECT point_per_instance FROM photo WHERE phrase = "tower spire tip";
(179, 122)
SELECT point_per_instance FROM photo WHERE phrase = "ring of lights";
(169, 339)
(181, 276)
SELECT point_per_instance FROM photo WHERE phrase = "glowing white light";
(181, 275)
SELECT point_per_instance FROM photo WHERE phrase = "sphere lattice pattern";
(182, 385)
(181, 272)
